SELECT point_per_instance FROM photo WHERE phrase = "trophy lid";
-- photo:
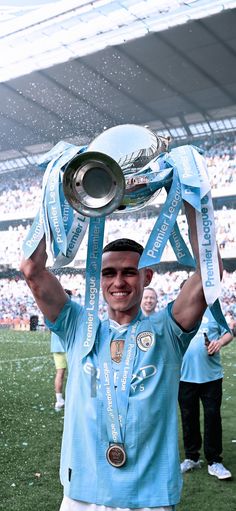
(130, 145)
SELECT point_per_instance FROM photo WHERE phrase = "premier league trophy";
(122, 170)
(112, 175)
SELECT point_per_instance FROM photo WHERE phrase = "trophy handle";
(93, 184)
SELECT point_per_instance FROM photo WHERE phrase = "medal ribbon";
(116, 402)
(93, 272)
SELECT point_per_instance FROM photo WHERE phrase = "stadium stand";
(20, 198)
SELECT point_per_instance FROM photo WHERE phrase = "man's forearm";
(46, 288)
(226, 339)
(32, 267)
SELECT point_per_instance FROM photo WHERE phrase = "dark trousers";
(210, 394)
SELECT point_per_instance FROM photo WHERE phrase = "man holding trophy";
(120, 439)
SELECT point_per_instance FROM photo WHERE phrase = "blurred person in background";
(149, 301)
(201, 381)
(60, 362)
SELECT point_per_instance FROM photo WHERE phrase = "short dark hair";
(122, 245)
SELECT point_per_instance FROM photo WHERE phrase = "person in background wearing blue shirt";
(149, 301)
(60, 362)
(201, 380)
(120, 438)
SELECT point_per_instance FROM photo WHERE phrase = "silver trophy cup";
(108, 176)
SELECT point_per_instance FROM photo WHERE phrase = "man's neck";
(123, 318)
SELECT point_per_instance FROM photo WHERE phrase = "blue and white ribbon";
(190, 182)
(116, 403)
(93, 272)
(163, 226)
(63, 227)
(182, 172)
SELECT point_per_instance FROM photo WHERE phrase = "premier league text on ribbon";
(107, 385)
(75, 235)
(178, 246)
(53, 206)
(207, 243)
(36, 233)
(127, 366)
(93, 276)
(167, 216)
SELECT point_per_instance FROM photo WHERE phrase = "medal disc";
(116, 455)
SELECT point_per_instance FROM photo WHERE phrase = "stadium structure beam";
(158, 77)
(202, 71)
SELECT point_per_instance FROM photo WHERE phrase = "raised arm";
(190, 304)
(46, 288)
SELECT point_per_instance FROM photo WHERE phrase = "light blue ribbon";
(181, 172)
(182, 158)
(93, 271)
(190, 180)
(180, 248)
(34, 235)
(116, 403)
(54, 213)
(217, 313)
(63, 228)
(163, 226)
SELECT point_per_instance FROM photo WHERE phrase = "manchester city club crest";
(145, 340)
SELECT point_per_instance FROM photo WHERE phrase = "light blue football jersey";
(198, 366)
(56, 344)
(151, 476)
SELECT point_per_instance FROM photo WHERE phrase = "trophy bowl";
(112, 173)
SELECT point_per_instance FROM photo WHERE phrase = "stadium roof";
(181, 79)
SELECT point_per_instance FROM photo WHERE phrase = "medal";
(116, 399)
(116, 455)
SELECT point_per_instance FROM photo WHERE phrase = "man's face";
(149, 301)
(122, 283)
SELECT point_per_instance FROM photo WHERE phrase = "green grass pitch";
(30, 432)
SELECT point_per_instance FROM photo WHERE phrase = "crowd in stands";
(20, 192)
(18, 305)
(221, 162)
(20, 197)
(139, 229)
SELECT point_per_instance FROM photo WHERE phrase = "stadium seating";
(19, 201)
